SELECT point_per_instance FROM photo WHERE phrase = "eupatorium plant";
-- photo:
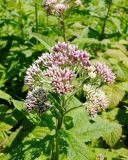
(60, 69)
(64, 72)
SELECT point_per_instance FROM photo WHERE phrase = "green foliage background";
(100, 27)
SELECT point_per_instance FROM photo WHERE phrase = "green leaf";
(41, 157)
(73, 102)
(115, 94)
(9, 120)
(116, 114)
(123, 152)
(121, 72)
(113, 135)
(48, 43)
(12, 137)
(18, 104)
(40, 132)
(86, 131)
(77, 149)
(118, 55)
(5, 96)
(117, 23)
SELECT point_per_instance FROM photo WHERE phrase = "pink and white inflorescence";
(96, 100)
(36, 99)
(60, 8)
(59, 68)
(55, 6)
(60, 79)
(50, 2)
(78, 2)
(32, 72)
(105, 72)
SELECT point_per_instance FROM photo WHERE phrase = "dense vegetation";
(26, 31)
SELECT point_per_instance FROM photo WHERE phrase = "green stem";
(20, 19)
(105, 20)
(63, 27)
(47, 17)
(72, 109)
(36, 17)
(59, 125)
(77, 89)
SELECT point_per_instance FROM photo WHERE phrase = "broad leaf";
(40, 132)
(77, 149)
(5, 96)
(48, 43)
(115, 94)
(18, 104)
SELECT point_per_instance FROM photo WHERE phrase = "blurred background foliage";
(98, 26)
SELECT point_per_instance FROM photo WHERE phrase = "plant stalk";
(105, 20)
(59, 125)
(36, 17)
(20, 19)
(63, 28)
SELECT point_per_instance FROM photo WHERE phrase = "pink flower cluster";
(78, 2)
(72, 54)
(50, 2)
(105, 72)
(31, 73)
(60, 8)
(60, 78)
(58, 69)
(36, 99)
(54, 6)
(58, 64)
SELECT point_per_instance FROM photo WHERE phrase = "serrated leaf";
(116, 114)
(86, 131)
(123, 152)
(10, 121)
(77, 149)
(42, 157)
(12, 137)
(115, 94)
(117, 54)
(48, 43)
(121, 71)
(5, 96)
(4, 156)
(18, 104)
(114, 135)
(117, 23)
(40, 132)
(73, 102)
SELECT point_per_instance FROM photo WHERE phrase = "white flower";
(96, 99)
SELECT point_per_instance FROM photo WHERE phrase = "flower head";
(36, 99)
(105, 72)
(50, 2)
(60, 8)
(78, 2)
(31, 73)
(96, 100)
(72, 54)
(100, 157)
(64, 48)
(60, 78)
(81, 57)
